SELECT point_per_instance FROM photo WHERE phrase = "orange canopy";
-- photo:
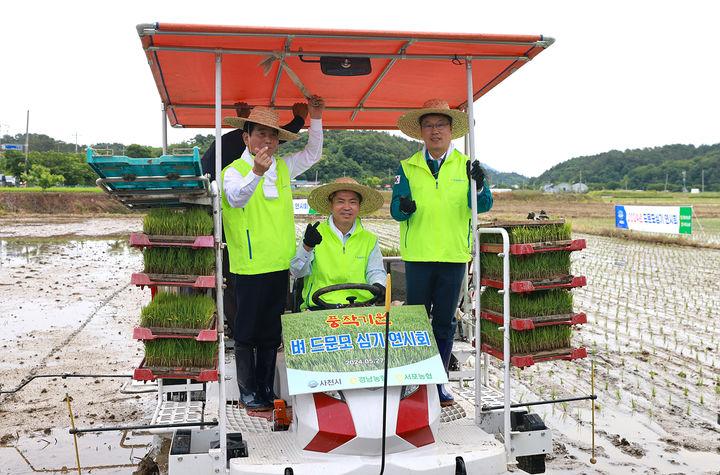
(407, 69)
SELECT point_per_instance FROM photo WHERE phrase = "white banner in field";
(655, 219)
(302, 207)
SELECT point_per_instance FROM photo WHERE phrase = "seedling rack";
(143, 241)
(525, 360)
(520, 324)
(175, 182)
(151, 333)
(153, 280)
(520, 286)
(201, 375)
(507, 250)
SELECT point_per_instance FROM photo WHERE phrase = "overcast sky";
(621, 74)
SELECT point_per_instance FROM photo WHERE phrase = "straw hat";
(265, 116)
(319, 198)
(409, 122)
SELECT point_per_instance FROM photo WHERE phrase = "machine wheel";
(331, 288)
(460, 466)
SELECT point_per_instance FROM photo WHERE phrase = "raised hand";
(263, 160)
(312, 236)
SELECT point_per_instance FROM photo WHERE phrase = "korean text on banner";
(345, 349)
(301, 206)
(655, 219)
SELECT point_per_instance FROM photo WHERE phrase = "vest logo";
(397, 179)
(359, 257)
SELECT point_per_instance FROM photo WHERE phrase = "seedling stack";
(541, 304)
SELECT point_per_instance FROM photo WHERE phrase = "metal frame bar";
(349, 108)
(450, 57)
(376, 83)
(217, 217)
(150, 30)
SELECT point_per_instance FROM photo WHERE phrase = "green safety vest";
(439, 230)
(337, 264)
(261, 236)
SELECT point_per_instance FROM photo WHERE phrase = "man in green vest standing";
(257, 211)
(340, 250)
(431, 199)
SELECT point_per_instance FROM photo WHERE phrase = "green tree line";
(641, 169)
(370, 157)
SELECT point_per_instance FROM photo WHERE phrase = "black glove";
(312, 235)
(380, 287)
(475, 171)
(407, 205)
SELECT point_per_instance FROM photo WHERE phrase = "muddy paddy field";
(653, 333)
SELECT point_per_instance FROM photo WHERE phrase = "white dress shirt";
(239, 189)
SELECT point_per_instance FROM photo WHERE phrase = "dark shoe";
(445, 349)
(446, 398)
(245, 369)
(265, 373)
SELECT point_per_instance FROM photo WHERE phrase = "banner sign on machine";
(345, 349)
(655, 219)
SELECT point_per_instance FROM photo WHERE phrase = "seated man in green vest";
(340, 250)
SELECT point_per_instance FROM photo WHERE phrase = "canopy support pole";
(164, 129)
(217, 211)
(470, 150)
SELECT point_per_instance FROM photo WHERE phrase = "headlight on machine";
(338, 395)
(408, 390)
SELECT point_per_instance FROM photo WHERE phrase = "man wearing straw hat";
(340, 250)
(257, 212)
(432, 200)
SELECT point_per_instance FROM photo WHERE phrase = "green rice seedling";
(178, 311)
(179, 260)
(194, 221)
(543, 338)
(180, 353)
(532, 233)
(542, 265)
(531, 304)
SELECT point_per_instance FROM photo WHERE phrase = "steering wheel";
(351, 300)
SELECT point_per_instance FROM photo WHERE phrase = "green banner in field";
(345, 348)
(686, 220)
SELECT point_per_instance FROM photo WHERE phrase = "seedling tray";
(529, 359)
(169, 172)
(531, 248)
(566, 282)
(151, 373)
(195, 281)
(529, 323)
(151, 333)
(155, 240)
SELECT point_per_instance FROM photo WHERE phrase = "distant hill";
(641, 169)
(367, 156)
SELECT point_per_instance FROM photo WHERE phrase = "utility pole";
(76, 142)
(684, 190)
(703, 181)
(666, 179)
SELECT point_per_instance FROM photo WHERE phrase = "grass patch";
(54, 189)
(541, 265)
(180, 352)
(178, 311)
(179, 260)
(531, 304)
(545, 338)
(194, 221)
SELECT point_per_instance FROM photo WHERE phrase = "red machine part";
(412, 422)
(335, 424)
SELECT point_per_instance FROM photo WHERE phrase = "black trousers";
(260, 302)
